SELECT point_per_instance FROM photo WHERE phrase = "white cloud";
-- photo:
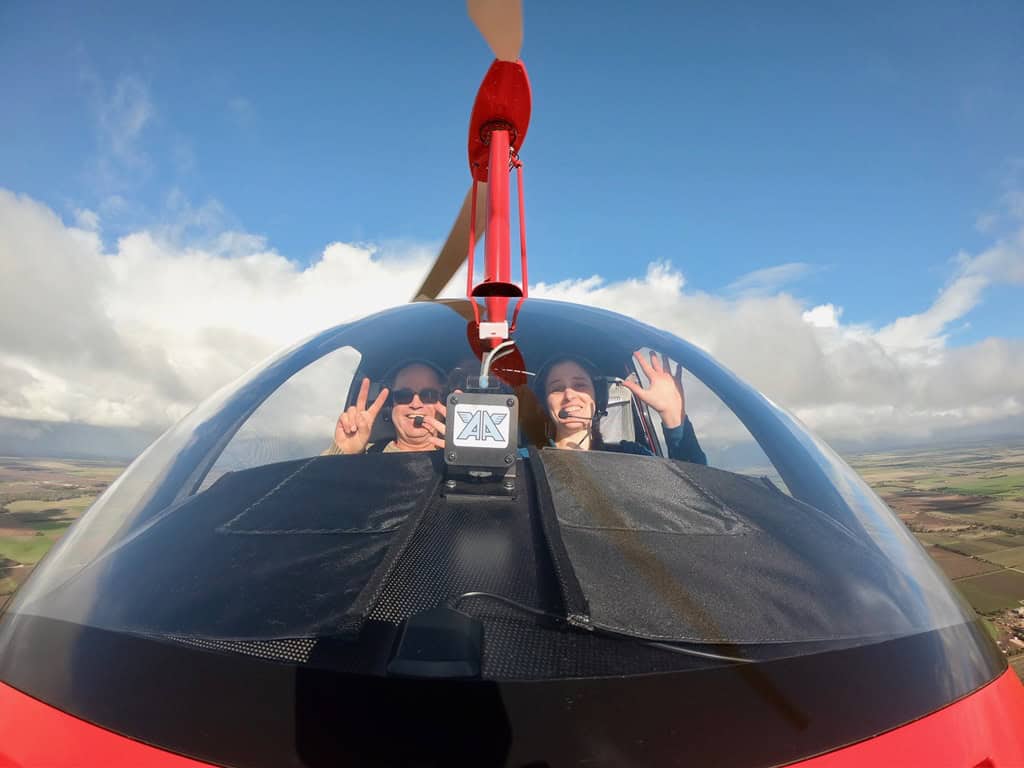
(769, 280)
(986, 223)
(1001, 263)
(87, 220)
(123, 110)
(850, 382)
(924, 332)
(823, 316)
(135, 334)
(1009, 212)
(122, 116)
(924, 335)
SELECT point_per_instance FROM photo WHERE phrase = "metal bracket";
(493, 330)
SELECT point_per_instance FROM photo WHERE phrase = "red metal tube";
(497, 238)
(472, 243)
(522, 230)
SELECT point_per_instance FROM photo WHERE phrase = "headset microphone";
(564, 414)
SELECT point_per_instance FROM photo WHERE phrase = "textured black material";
(659, 497)
(338, 494)
(295, 651)
(572, 593)
(233, 709)
(276, 552)
(675, 551)
(440, 642)
(464, 545)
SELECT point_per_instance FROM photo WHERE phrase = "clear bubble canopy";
(242, 527)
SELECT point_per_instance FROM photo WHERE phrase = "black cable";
(454, 604)
(671, 647)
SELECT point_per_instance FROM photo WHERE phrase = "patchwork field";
(1011, 558)
(39, 499)
(994, 591)
(966, 506)
(959, 566)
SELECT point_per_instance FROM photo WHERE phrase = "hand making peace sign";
(352, 432)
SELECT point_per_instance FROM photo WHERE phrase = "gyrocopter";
(512, 552)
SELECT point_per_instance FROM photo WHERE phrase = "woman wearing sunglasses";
(417, 410)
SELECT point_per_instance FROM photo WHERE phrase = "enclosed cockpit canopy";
(236, 527)
(243, 546)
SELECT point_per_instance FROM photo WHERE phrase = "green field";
(966, 506)
(1010, 558)
(939, 539)
(973, 547)
(993, 591)
(76, 505)
(1004, 485)
(958, 566)
(39, 499)
(27, 550)
(968, 500)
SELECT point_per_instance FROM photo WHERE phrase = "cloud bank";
(133, 335)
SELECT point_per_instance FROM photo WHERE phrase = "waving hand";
(664, 392)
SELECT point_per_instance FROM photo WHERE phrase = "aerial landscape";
(491, 383)
(965, 505)
(40, 498)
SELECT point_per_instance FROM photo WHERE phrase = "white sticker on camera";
(481, 426)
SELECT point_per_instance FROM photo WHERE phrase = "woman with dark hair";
(574, 406)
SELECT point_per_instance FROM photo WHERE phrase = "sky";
(184, 189)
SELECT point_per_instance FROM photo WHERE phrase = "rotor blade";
(456, 247)
(501, 24)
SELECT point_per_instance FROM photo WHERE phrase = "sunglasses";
(405, 396)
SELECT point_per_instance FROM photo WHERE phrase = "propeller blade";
(501, 24)
(456, 248)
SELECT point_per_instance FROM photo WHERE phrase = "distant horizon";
(847, 451)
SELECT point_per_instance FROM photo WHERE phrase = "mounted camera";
(482, 440)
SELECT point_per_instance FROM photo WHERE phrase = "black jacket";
(681, 441)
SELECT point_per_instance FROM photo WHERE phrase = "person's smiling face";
(417, 378)
(569, 387)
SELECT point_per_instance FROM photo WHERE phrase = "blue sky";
(861, 140)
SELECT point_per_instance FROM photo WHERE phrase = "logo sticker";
(481, 426)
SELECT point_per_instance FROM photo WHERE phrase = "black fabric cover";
(333, 497)
(669, 551)
(296, 549)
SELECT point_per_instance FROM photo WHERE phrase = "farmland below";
(965, 505)
(39, 499)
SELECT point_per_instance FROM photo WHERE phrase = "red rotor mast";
(497, 128)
